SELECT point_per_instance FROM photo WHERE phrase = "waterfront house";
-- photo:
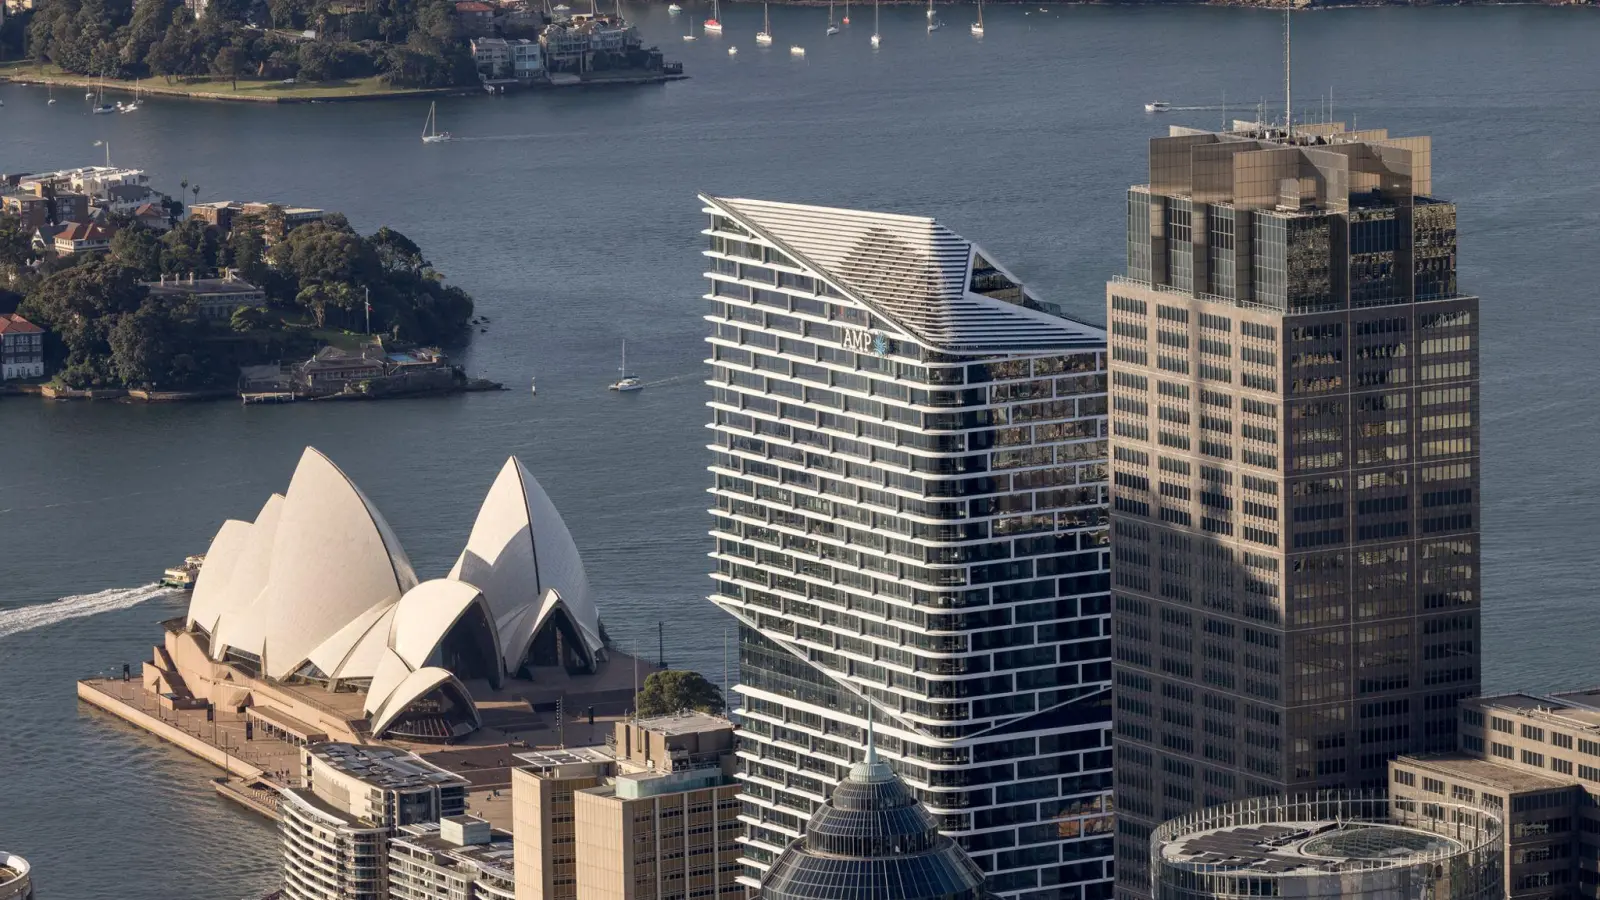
(527, 59)
(33, 210)
(153, 216)
(124, 199)
(493, 57)
(83, 237)
(476, 17)
(21, 348)
(332, 368)
(214, 298)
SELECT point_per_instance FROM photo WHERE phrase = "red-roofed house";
(153, 216)
(477, 17)
(84, 237)
(21, 348)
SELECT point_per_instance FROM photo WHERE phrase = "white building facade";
(910, 523)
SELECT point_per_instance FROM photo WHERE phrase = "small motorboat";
(935, 25)
(674, 8)
(797, 50)
(104, 109)
(733, 51)
(1157, 106)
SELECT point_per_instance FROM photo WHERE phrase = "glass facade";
(924, 534)
(1294, 481)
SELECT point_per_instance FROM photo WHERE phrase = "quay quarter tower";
(909, 512)
(1294, 398)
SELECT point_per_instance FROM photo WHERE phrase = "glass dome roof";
(872, 840)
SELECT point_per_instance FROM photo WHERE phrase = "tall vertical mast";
(1288, 111)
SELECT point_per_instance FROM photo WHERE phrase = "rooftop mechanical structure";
(1330, 845)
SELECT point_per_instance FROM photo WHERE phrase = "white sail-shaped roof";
(426, 614)
(519, 549)
(333, 559)
(332, 656)
(413, 688)
(245, 584)
(912, 271)
(211, 587)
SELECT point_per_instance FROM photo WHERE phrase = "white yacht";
(626, 382)
(690, 35)
(764, 36)
(832, 28)
(1157, 106)
(733, 51)
(977, 27)
(674, 8)
(430, 127)
(876, 38)
(797, 50)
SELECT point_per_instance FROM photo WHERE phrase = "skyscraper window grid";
(910, 523)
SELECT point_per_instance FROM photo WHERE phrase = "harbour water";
(571, 216)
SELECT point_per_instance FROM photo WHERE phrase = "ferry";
(183, 577)
(1157, 106)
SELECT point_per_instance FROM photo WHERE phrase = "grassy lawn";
(247, 90)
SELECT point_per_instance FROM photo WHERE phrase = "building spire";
(1288, 108)
(872, 739)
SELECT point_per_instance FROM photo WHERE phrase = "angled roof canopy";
(916, 274)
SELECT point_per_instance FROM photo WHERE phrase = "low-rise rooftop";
(685, 722)
(383, 766)
(1461, 767)
(1579, 710)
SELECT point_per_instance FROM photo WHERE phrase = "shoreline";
(336, 93)
(138, 395)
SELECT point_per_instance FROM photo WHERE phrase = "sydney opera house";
(312, 619)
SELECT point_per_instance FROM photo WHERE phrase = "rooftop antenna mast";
(1288, 110)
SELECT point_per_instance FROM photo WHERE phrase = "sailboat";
(101, 107)
(690, 35)
(930, 10)
(846, 19)
(764, 36)
(626, 382)
(832, 28)
(876, 40)
(430, 127)
(133, 106)
(52, 100)
(977, 27)
(712, 26)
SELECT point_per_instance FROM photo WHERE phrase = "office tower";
(1329, 845)
(1535, 760)
(909, 513)
(1294, 387)
(872, 840)
(336, 828)
(653, 814)
(457, 858)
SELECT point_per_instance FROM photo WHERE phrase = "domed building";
(317, 593)
(872, 840)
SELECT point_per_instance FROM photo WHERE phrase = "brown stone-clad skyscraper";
(1295, 471)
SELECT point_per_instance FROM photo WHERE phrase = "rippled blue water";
(572, 218)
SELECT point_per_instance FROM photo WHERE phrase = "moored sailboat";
(764, 36)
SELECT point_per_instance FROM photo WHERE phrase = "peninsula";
(126, 289)
(290, 51)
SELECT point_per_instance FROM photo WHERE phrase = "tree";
(16, 243)
(245, 251)
(79, 306)
(671, 690)
(142, 344)
(138, 248)
(191, 248)
(230, 61)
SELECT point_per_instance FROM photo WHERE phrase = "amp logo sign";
(861, 340)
